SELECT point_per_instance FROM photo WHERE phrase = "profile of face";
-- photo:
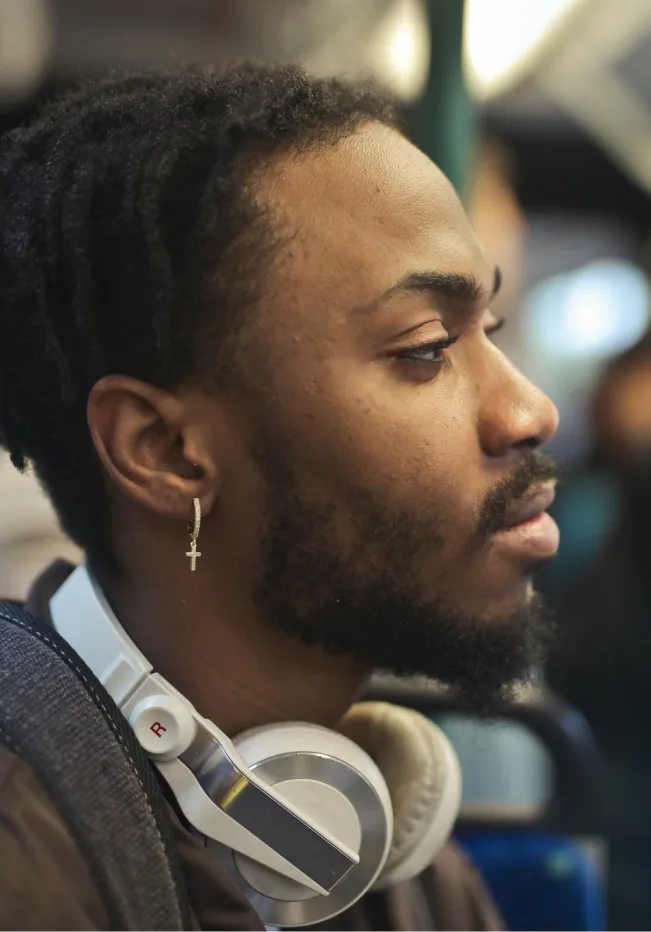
(369, 467)
(397, 494)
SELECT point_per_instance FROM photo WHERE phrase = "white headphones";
(302, 819)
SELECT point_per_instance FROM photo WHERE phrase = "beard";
(358, 594)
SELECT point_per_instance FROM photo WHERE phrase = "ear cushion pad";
(423, 777)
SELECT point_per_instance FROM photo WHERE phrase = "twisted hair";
(126, 232)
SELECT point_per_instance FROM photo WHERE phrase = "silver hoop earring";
(194, 529)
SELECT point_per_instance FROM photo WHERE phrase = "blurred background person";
(601, 661)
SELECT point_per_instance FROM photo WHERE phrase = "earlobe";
(150, 447)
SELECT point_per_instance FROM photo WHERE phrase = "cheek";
(416, 446)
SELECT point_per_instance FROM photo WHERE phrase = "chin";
(505, 608)
(526, 594)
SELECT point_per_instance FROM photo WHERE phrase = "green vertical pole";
(443, 122)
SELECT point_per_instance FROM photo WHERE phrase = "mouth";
(528, 532)
(538, 500)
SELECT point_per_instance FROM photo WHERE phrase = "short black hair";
(126, 231)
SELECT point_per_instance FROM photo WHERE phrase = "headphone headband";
(249, 817)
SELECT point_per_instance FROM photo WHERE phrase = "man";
(253, 291)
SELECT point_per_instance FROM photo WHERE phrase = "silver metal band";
(258, 812)
(313, 908)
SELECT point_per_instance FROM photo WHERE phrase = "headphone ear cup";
(336, 783)
(423, 777)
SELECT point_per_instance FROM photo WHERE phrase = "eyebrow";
(452, 285)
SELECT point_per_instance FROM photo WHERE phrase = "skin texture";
(343, 478)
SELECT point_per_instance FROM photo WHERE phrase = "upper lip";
(537, 500)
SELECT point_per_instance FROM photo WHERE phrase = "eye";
(432, 353)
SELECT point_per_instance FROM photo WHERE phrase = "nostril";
(529, 443)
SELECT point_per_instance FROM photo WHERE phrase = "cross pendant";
(193, 553)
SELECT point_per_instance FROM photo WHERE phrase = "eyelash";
(439, 347)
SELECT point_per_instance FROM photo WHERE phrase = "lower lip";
(535, 539)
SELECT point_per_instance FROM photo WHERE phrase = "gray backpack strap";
(57, 716)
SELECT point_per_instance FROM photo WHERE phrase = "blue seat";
(539, 881)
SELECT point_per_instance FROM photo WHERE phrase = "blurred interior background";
(540, 113)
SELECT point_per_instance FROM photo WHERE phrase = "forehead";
(364, 212)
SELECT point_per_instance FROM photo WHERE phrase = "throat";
(234, 668)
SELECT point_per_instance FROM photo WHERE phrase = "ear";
(155, 445)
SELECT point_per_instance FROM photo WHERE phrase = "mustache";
(534, 469)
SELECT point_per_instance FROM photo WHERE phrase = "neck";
(232, 666)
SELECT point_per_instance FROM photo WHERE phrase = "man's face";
(387, 460)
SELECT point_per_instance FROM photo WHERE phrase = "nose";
(514, 413)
